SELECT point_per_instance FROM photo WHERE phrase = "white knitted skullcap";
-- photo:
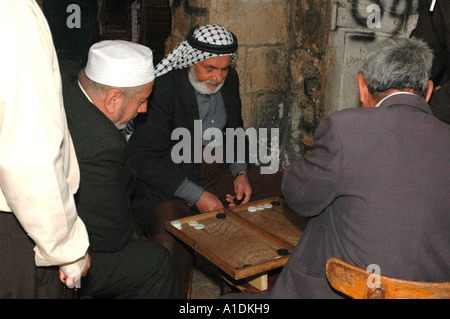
(120, 64)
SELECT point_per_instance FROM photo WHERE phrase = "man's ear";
(113, 100)
(430, 90)
(364, 94)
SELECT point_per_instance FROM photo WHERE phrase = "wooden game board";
(241, 243)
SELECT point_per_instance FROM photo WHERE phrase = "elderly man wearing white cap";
(99, 101)
(194, 84)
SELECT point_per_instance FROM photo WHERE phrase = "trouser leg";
(19, 276)
(142, 270)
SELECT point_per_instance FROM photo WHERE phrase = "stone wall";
(305, 107)
(282, 49)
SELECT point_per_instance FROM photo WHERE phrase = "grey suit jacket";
(376, 187)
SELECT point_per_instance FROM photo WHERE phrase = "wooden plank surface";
(242, 244)
(279, 220)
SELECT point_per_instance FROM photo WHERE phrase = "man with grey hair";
(402, 66)
(376, 183)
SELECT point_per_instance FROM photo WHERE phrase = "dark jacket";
(434, 28)
(173, 104)
(106, 180)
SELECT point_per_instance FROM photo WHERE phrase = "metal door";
(355, 25)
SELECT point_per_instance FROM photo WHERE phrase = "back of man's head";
(398, 63)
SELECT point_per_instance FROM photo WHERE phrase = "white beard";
(201, 86)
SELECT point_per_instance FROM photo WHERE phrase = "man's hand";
(241, 187)
(208, 202)
(71, 281)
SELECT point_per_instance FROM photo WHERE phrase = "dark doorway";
(144, 21)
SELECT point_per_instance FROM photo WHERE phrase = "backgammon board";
(245, 240)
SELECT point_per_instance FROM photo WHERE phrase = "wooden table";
(244, 244)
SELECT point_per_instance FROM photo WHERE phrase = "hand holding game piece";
(238, 201)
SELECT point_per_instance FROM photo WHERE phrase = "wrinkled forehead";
(217, 62)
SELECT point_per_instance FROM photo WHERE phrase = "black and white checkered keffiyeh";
(203, 42)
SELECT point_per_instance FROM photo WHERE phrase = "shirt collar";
(433, 3)
(84, 92)
(396, 93)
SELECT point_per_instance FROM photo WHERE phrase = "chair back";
(358, 283)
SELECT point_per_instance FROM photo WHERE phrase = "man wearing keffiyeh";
(195, 83)
(218, 40)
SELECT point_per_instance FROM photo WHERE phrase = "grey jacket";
(376, 187)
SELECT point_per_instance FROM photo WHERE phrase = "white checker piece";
(176, 224)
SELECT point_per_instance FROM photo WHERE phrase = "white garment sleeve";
(38, 169)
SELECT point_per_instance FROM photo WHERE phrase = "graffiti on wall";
(386, 16)
(379, 9)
